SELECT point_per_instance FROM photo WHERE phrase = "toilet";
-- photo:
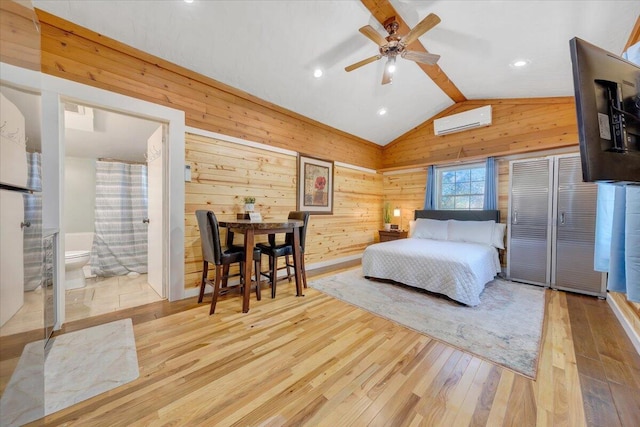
(76, 256)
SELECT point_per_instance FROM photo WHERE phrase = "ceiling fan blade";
(430, 21)
(387, 76)
(373, 35)
(361, 63)
(423, 57)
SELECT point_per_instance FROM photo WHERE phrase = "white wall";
(79, 194)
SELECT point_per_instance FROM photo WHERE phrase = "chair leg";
(216, 289)
(288, 263)
(225, 275)
(258, 291)
(273, 263)
(205, 271)
(303, 272)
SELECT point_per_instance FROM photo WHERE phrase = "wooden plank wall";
(75, 53)
(224, 172)
(405, 190)
(19, 38)
(519, 126)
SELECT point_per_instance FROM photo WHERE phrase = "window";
(460, 187)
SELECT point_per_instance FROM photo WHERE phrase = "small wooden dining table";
(252, 228)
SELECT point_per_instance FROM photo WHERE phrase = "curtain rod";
(128, 162)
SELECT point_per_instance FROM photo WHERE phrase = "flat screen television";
(607, 92)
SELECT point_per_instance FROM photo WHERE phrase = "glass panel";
(463, 175)
(448, 177)
(477, 187)
(462, 202)
(448, 189)
(477, 174)
(463, 187)
(477, 202)
(447, 203)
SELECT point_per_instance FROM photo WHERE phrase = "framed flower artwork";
(315, 185)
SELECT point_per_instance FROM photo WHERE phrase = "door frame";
(53, 90)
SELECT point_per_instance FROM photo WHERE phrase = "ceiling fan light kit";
(394, 45)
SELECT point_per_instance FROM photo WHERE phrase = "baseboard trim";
(631, 332)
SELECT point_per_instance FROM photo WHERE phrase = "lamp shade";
(396, 212)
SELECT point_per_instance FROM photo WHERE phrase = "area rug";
(505, 328)
(78, 366)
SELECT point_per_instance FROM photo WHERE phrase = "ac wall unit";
(471, 119)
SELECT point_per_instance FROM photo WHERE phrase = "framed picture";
(315, 185)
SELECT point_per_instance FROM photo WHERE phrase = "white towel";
(604, 224)
(632, 243)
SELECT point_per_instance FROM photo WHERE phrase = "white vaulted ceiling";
(271, 48)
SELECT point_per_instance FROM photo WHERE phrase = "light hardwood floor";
(318, 361)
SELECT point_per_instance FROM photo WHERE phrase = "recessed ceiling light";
(317, 73)
(188, 1)
(382, 111)
(519, 63)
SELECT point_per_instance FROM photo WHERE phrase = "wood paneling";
(406, 191)
(519, 126)
(75, 53)
(224, 172)
(19, 36)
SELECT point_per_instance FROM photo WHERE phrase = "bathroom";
(107, 153)
(120, 142)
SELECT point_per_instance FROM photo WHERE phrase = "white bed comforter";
(458, 270)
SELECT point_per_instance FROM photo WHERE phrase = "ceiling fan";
(394, 45)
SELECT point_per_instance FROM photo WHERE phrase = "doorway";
(52, 90)
(113, 210)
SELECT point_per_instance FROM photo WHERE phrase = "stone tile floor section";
(100, 296)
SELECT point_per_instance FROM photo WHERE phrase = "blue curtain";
(490, 191)
(617, 248)
(120, 239)
(430, 196)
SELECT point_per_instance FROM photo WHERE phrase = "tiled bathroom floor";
(101, 295)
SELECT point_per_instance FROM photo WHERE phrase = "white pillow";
(430, 229)
(471, 231)
(412, 227)
(498, 235)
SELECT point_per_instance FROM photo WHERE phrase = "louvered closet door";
(575, 218)
(529, 225)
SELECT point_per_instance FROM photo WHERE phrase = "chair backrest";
(209, 236)
(301, 216)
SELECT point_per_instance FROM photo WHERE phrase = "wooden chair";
(275, 251)
(212, 253)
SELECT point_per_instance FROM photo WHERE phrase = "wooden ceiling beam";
(383, 10)
(634, 37)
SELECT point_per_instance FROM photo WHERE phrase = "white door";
(11, 253)
(155, 162)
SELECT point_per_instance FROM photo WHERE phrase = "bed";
(454, 253)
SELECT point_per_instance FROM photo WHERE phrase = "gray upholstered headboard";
(487, 215)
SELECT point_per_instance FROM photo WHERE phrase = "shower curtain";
(120, 239)
(32, 255)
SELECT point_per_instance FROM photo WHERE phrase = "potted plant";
(249, 202)
(386, 216)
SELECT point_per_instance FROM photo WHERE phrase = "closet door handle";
(515, 217)
(562, 221)
(25, 224)
(145, 221)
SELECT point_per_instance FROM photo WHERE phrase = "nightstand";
(386, 236)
